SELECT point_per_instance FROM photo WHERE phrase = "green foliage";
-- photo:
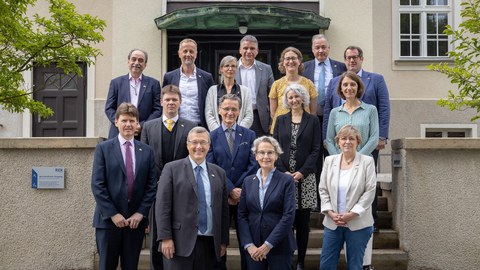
(466, 56)
(63, 38)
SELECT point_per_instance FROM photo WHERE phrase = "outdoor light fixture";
(242, 27)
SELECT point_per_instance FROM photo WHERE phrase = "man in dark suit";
(192, 81)
(192, 209)
(140, 90)
(231, 150)
(320, 71)
(123, 185)
(258, 77)
(168, 138)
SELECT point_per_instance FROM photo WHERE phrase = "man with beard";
(140, 90)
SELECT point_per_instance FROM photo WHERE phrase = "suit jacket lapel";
(117, 152)
(303, 123)
(236, 143)
(223, 140)
(138, 158)
(353, 174)
(288, 126)
(125, 91)
(143, 88)
(366, 81)
(255, 191)
(178, 135)
(190, 175)
(273, 184)
(258, 78)
(334, 183)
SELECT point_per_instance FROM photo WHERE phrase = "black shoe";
(368, 267)
(300, 266)
(375, 229)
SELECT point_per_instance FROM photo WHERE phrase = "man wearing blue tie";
(191, 208)
(320, 71)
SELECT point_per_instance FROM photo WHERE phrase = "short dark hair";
(127, 108)
(351, 47)
(171, 89)
(140, 50)
(352, 75)
(249, 38)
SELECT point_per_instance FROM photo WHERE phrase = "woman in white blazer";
(347, 188)
(228, 69)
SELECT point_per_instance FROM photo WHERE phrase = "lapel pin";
(212, 175)
(240, 134)
(139, 149)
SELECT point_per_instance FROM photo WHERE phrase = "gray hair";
(319, 36)
(198, 130)
(267, 139)
(231, 97)
(140, 50)
(298, 89)
(249, 38)
(227, 59)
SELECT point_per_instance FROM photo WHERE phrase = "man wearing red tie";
(124, 181)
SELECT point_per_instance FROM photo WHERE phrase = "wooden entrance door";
(65, 94)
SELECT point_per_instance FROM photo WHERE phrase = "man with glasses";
(320, 71)
(192, 209)
(231, 150)
(376, 94)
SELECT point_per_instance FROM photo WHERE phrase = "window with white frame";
(421, 25)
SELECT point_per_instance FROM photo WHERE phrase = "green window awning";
(229, 17)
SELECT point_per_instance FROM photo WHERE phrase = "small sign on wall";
(48, 177)
(396, 159)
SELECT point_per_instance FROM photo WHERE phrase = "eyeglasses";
(195, 143)
(228, 109)
(268, 153)
(230, 66)
(353, 57)
(288, 59)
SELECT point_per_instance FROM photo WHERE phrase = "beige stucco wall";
(436, 197)
(46, 229)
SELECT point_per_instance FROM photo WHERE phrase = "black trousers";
(302, 227)
(202, 258)
(257, 125)
(123, 243)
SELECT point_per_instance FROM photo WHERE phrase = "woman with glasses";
(228, 68)
(291, 65)
(296, 132)
(347, 188)
(266, 211)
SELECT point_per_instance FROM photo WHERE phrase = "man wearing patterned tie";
(320, 71)
(135, 88)
(123, 185)
(167, 136)
(231, 150)
(192, 209)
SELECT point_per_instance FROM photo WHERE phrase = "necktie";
(202, 201)
(230, 139)
(321, 86)
(170, 123)
(129, 168)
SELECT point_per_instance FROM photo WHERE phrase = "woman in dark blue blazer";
(266, 211)
(298, 133)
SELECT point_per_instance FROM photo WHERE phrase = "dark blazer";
(109, 183)
(376, 94)
(239, 165)
(148, 100)
(338, 68)
(273, 222)
(308, 142)
(152, 135)
(204, 81)
(263, 82)
(176, 208)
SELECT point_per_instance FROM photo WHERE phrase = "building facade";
(399, 39)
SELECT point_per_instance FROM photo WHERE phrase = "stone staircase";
(386, 252)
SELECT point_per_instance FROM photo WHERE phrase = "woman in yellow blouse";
(291, 65)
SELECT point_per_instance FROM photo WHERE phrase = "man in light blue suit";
(234, 155)
(258, 77)
(140, 90)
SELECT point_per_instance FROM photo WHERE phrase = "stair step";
(385, 239)
(384, 220)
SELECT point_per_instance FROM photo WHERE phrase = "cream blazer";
(360, 190)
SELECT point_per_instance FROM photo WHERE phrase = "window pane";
(437, 2)
(416, 23)
(415, 2)
(405, 48)
(433, 134)
(442, 22)
(404, 23)
(404, 2)
(456, 134)
(432, 48)
(415, 48)
(442, 48)
(432, 23)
